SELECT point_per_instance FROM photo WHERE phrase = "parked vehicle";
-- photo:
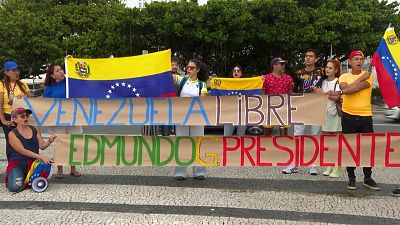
(392, 113)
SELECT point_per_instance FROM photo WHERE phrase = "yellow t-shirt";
(358, 103)
(6, 107)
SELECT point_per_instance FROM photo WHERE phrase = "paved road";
(129, 195)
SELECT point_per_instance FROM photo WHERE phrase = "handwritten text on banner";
(210, 110)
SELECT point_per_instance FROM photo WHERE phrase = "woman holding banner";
(10, 87)
(55, 87)
(25, 141)
(237, 72)
(332, 125)
(192, 85)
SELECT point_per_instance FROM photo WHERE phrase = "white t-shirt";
(191, 87)
(330, 86)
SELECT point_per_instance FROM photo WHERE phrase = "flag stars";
(115, 86)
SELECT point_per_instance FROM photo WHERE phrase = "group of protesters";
(351, 91)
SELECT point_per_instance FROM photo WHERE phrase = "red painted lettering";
(226, 148)
(283, 148)
(302, 150)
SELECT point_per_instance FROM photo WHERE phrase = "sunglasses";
(191, 67)
(24, 116)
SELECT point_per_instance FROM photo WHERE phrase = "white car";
(392, 113)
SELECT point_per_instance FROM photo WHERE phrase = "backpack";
(338, 103)
(183, 82)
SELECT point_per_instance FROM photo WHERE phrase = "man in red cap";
(356, 89)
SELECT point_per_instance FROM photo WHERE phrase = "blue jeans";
(16, 179)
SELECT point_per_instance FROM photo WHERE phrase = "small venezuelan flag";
(236, 86)
(387, 61)
(137, 76)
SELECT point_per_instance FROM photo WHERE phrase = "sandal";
(75, 174)
(59, 175)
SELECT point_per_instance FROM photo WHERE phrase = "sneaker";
(336, 172)
(313, 170)
(369, 183)
(352, 185)
(396, 192)
(290, 169)
(328, 171)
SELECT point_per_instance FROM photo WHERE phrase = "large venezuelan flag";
(137, 76)
(236, 86)
(386, 61)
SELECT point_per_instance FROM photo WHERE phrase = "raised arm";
(42, 144)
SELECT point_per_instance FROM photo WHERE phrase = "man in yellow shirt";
(356, 88)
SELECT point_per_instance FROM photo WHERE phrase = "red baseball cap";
(19, 111)
(356, 53)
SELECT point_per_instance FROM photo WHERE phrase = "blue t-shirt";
(58, 90)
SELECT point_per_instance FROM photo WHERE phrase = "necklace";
(11, 97)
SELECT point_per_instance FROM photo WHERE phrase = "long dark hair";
(49, 79)
(241, 70)
(203, 70)
(6, 83)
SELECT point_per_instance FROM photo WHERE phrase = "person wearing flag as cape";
(25, 142)
(356, 88)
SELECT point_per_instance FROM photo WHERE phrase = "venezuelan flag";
(386, 61)
(137, 76)
(236, 86)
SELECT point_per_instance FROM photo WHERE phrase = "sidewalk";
(149, 195)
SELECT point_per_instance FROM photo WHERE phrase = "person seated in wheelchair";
(24, 144)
